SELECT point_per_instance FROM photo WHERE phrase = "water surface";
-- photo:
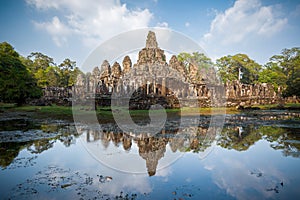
(254, 156)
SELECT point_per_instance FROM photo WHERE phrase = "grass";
(106, 114)
(67, 111)
(209, 111)
(7, 105)
(57, 110)
(276, 106)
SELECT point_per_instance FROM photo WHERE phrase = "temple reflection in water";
(153, 148)
(199, 136)
(239, 133)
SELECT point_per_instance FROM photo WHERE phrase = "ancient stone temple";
(153, 80)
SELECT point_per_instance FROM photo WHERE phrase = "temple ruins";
(153, 80)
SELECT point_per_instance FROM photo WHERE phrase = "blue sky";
(72, 29)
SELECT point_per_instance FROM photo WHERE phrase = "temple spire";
(151, 40)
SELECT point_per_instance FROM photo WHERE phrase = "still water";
(254, 156)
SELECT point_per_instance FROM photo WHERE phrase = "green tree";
(289, 63)
(41, 77)
(43, 68)
(48, 77)
(199, 59)
(52, 74)
(39, 61)
(227, 71)
(17, 84)
(67, 68)
(8, 50)
(73, 76)
(200, 63)
(273, 74)
(231, 67)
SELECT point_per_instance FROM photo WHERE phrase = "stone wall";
(54, 95)
(250, 94)
(236, 94)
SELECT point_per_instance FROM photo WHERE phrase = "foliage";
(17, 84)
(242, 138)
(230, 67)
(7, 49)
(38, 61)
(199, 59)
(273, 74)
(52, 76)
(23, 77)
(205, 67)
(289, 63)
(68, 73)
(48, 74)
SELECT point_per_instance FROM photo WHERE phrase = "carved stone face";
(116, 70)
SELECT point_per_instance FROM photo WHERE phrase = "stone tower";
(151, 42)
(151, 54)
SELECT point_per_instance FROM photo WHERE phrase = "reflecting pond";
(254, 156)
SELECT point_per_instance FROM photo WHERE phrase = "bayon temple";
(153, 80)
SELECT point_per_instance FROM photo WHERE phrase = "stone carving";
(116, 71)
(177, 65)
(105, 70)
(126, 64)
(194, 75)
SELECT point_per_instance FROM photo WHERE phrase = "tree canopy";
(289, 64)
(23, 78)
(17, 84)
(238, 67)
(48, 74)
(272, 74)
(206, 67)
(200, 59)
(282, 70)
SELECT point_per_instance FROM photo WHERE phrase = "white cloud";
(93, 21)
(233, 172)
(57, 29)
(247, 27)
(162, 24)
(244, 19)
(187, 24)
